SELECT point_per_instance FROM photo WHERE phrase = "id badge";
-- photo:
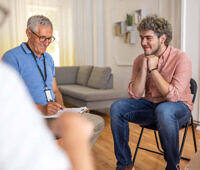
(48, 95)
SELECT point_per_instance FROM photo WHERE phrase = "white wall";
(192, 43)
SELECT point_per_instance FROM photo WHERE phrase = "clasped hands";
(150, 62)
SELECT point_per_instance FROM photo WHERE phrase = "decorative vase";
(129, 28)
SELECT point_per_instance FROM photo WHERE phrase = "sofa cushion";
(66, 74)
(83, 75)
(99, 77)
(90, 94)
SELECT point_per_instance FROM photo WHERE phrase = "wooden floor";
(104, 157)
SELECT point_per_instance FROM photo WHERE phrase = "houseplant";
(129, 22)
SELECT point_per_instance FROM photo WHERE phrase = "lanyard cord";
(44, 77)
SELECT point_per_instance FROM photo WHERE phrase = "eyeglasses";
(43, 38)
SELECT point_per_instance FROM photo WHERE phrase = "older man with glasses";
(29, 136)
(36, 66)
(37, 69)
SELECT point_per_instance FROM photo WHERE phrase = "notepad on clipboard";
(80, 110)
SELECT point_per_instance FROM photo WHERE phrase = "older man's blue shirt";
(22, 60)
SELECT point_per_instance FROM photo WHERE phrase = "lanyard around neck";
(44, 77)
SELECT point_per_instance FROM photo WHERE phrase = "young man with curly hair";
(160, 94)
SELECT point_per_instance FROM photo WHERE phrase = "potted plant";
(129, 22)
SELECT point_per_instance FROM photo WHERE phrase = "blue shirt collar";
(25, 48)
(27, 51)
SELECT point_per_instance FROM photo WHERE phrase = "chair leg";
(194, 137)
(183, 140)
(138, 145)
(157, 142)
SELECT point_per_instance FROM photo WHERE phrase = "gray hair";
(36, 20)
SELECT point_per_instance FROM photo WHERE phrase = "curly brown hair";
(157, 24)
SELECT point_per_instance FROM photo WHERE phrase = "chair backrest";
(193, 88)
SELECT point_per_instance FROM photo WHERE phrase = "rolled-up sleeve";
(180, 85)
(130, 90)
(135, 70)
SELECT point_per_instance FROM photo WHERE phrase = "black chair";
(193, 88)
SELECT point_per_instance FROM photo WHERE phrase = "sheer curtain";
(67, 52)
(78, 28)
(88, 32)
(59, 12)
(74, 22)
(12, 33)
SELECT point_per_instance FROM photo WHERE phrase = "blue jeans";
(167, 116)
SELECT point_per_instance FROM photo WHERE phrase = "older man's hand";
(53, 108)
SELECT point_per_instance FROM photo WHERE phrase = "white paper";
(79, 110)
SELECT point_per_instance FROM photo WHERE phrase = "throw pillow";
(66, 74)
(99, 77)
(83, 75)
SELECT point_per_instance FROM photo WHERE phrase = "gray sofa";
(88, 86)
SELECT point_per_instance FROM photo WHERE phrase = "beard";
(155, 51)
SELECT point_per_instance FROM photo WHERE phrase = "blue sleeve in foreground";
(10, 59)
